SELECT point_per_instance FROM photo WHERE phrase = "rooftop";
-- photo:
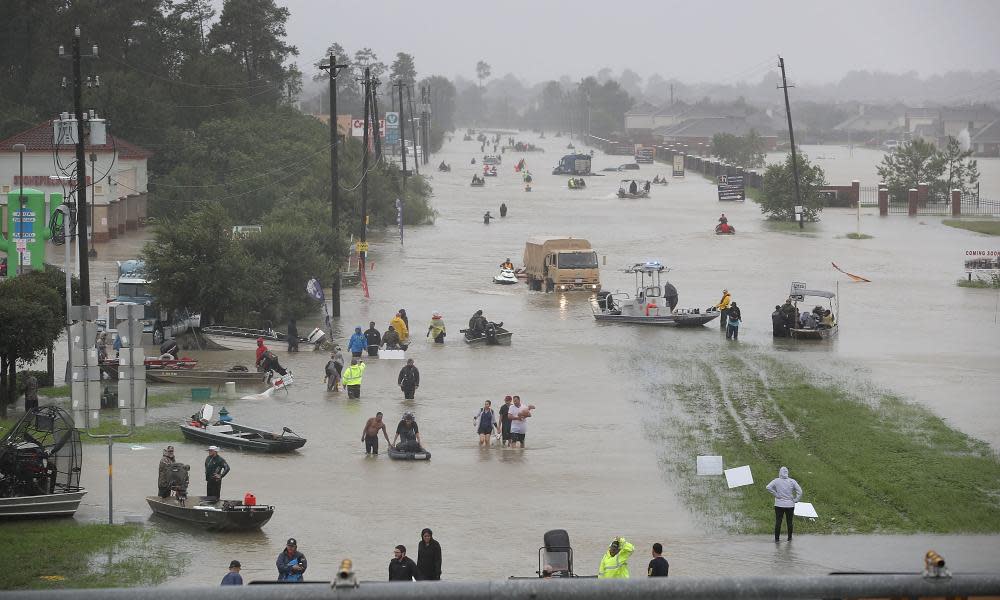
(39, 139)
(989, 134)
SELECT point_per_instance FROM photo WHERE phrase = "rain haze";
(721, 42)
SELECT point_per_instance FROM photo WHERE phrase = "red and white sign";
(358, 128)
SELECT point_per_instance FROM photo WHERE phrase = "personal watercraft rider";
(507, 264)
(723, 219)
(408, 435)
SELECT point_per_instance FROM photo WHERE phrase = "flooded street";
(592, 466)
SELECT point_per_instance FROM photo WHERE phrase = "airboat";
(40, 463)
(648, 306)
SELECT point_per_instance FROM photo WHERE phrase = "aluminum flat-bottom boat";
(221, 515)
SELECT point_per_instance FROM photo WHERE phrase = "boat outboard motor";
(557, 553)
(491, 333)
(177, 479)
(169, 347)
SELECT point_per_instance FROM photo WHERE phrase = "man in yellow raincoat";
(723, 307)
(614, 565)
(400, 326)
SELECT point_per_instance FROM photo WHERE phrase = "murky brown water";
(590, 466)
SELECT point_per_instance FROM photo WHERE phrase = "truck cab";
(133, 288)
(561, 264)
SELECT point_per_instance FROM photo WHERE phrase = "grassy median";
(62, 553)
(868, 461)
(986, 227)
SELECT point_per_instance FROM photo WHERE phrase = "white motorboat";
(240, 338)
(505, 277)
(649, 306)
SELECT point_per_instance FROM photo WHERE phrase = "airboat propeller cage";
(41, 454)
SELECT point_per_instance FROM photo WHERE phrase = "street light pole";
(93, 201)
(18, 220)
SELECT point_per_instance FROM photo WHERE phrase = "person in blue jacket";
(357, 343)
(291, 563)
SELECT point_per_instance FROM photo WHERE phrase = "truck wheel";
(550, 286)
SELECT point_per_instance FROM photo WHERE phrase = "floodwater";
(591, 466)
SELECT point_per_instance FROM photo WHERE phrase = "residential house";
(955, 120)
(986, 141)
(696, 134)
(874, 119)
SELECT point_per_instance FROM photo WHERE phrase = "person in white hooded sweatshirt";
(786, 492)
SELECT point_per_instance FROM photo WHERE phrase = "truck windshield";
(132, 290)
(577, 260)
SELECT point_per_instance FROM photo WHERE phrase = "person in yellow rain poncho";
(400, 326)
(614, 565)
(436, 330)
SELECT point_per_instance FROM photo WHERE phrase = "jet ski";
(505, 277)
(407, 454)
(725, 229)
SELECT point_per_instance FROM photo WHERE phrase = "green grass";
(58, 391)
(873, 464)
(858, 236)
(987, 227)
(150, 433)
(980, 283)
(65, 554)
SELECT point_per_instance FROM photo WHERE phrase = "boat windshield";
(577, 260)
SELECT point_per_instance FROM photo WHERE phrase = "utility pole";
(333, 67)
(81, 167)
(364, 174)
(791, 139)
(402, 132)
(425, 122)
(375, 128)
(413, 130)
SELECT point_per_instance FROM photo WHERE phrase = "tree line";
(213, 94)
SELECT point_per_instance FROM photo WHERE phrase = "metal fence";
(868, 195)
(975, 205)
(739, 588)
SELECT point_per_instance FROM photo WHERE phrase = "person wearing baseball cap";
(291, 563)
(233, 577)
(216, 468)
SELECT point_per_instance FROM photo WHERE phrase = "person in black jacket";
(402, 567)
(291, 563)
(374, 339)
(429, 556)
(409, 379)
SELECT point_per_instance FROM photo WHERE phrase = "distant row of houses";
(695, 125)
(936, 125)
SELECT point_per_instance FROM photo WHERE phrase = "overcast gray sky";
(717, 40)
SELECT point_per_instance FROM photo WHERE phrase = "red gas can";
(249, 499)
